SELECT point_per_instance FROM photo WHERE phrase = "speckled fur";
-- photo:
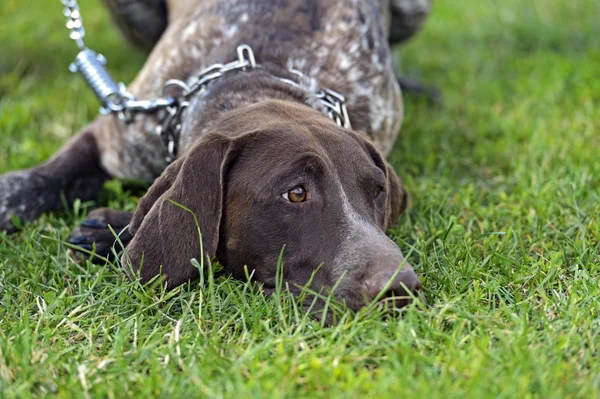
(342, 45)
(338, 44)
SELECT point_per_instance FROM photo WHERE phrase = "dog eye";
(296, 194)
(378, 191)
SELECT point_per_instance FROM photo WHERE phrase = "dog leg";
(407, 17)
(96, 234)
(74, 172)
(142, 22)
(414, 86)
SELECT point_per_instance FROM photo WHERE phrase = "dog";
(261, 171)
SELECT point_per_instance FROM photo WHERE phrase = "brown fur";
(245, 141)
(166, 236)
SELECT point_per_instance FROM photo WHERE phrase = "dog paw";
(24, 195)
(432, 93)
(98, 236)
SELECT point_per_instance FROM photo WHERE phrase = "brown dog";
(261, 167)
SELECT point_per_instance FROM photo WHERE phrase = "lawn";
(504, 177)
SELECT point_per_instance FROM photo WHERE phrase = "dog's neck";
(238, 90)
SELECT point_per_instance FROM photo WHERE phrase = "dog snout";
(392, 287)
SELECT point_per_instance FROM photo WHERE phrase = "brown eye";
(377, 191)
(296, 194)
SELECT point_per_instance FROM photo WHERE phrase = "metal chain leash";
(115, 98)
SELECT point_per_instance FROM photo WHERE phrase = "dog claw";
(93, 224)
(97, 234)
(81, 246)
(78, 240)
(432, 93)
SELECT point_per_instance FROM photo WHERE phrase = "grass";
(504, 178)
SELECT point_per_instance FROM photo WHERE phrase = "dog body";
(340, 45)
(261, 166)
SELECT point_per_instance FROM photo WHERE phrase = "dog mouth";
(394, 302)
(399, 302)
(316, 302)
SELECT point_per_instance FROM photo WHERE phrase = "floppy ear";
(397, 198)
(165, 236)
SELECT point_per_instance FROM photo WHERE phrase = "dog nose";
(398, 291)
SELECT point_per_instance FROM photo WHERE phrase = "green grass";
(504, 178)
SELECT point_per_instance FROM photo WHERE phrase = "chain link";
(74, 21)
(170, 128)
(334, 103)
(113, 96)
(116, 99)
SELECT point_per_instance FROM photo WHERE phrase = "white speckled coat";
(338, 44)
(342, 45)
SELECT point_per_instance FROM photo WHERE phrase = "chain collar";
(170, 128)
(116, 99)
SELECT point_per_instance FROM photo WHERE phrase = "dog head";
(291, 181)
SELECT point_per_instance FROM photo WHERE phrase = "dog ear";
(165, 235)
(397, 198)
